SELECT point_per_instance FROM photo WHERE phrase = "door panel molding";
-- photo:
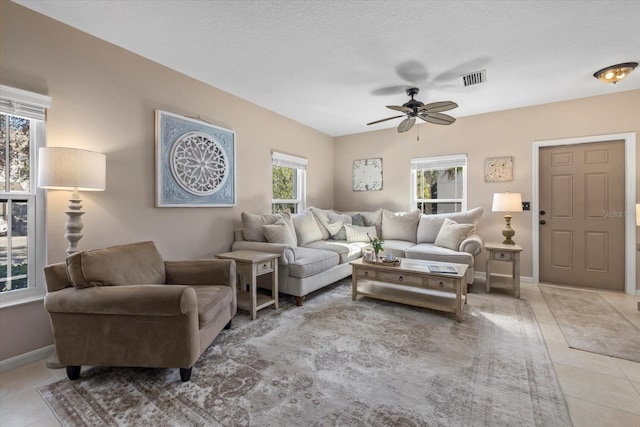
(630, 199)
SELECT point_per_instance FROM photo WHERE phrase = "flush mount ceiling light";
(615, 73)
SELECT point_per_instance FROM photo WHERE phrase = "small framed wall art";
(498, 169)
(367, 174)
(195, 163)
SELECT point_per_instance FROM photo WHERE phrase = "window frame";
(299, 164)
(438, 163)
(32, 106)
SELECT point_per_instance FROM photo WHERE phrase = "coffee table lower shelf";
(418, 297)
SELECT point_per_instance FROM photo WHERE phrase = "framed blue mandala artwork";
(195, 163)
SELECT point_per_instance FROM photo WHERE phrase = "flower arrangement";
(376, 243)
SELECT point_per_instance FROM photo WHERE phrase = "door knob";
(543, 222)
(542, 212)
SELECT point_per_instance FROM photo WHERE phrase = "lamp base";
(74, 226)
(508, 232)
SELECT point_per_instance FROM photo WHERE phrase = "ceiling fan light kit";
(615, 73)
(431, 113)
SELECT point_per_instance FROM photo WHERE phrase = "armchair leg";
(185, 374)
(228, 325)
(299, 301)
(73, 372)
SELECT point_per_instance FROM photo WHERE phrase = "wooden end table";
(505, 253)
(250, 265)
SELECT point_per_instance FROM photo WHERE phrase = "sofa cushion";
(360, 234)
(132, 264)
(346, 251)
(252, 224)
(396, 248)
(279, 232)
(211, 301)
(307, 228)
(431, 252)
(429, 225)
(400, 225)
(451, 234)
(369, 219)
(312, 261)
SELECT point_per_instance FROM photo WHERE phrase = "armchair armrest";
(201, 272)
(133, 300)
(287, 252)
(472, 245)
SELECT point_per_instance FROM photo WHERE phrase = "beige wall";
(504, 133)
(103, 99)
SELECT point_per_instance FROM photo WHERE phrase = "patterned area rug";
(335, 362)
(588, 322)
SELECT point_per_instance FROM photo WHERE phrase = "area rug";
(588, 322)
(335, 362)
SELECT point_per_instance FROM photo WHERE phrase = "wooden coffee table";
(412, 283)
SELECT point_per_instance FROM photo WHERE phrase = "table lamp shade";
(507, 202)
(62, 168)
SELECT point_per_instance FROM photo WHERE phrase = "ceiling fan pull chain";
(418, 132)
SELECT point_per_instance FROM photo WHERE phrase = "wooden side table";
(506, 253)
(250, 265)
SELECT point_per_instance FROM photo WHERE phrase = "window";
(439, 184)
(288, 176)
(22, 235)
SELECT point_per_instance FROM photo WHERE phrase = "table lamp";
(507, 202)
(61, 168)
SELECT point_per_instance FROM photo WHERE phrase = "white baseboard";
(26, 358)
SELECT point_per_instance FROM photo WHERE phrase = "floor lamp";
(61, 168)
(507, 202)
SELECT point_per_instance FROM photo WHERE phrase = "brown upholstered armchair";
(126, 306)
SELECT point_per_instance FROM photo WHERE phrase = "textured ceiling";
(334, 65)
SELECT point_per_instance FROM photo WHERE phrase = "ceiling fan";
(428, 112)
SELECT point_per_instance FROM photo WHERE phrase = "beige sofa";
(125, 306)
(316, 246)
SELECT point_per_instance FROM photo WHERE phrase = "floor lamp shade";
(507, 202)
(61, 168)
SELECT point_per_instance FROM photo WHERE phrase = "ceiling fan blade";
(406, 124)
(437, 118)
(436, 107)
(400, 108)
(384, 120)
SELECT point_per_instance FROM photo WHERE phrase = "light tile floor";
(599, 390)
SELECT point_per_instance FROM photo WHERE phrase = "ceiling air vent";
(474, 78)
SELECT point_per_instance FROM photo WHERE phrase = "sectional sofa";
(316, 246)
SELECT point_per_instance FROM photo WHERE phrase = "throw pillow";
(343, 220)
(429, 225)
(400, 225)
(307, 228)
(279, 232)
(451, 234)
(356, 233)
(252, 224)
(358, 220)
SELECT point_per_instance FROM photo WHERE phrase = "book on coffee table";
(442, 269)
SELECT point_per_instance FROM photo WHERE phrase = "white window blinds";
(28, 105)
(440, 162)
(288, 161)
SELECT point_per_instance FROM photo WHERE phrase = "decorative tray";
(391, 263)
